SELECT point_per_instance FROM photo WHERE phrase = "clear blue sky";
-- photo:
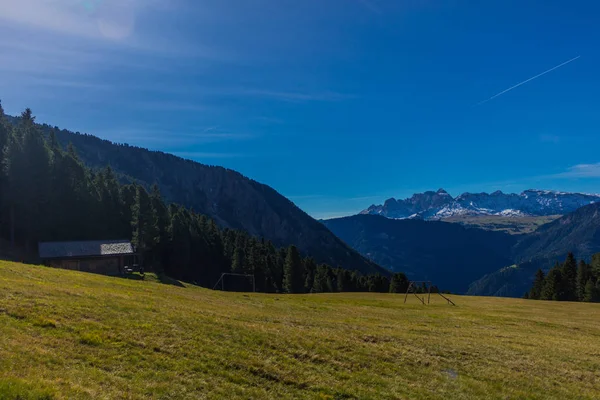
(337, 104)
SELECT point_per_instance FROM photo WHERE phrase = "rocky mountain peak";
(437, 205)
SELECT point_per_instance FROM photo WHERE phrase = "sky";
(337, 104)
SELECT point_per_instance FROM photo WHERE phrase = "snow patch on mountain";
(438, 205)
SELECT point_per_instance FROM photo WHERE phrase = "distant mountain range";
(468, 259)
(439, 205)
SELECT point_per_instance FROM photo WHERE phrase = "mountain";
(450, 255)
(439, 205)
(577, 232)
(469, 259)
(227, 196)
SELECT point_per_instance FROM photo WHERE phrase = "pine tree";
(591, 292)
(552, 284)
(568, 290)
(399, 283)
(320, 283)
(5, 133)
(355, 279)
(583, 275)
(27, 172)
(144, 223)
(53, 142)
(538, 284)
(293, 271)
(310, 268)
(329, 281)
(238, 262)
(341, 282)
(179, 245)
(595, 266)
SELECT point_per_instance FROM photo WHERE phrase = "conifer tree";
(399, 283)
(538, 284)
(293, 271)
(320, 282)
(583, 275)
(180, 245)
(591, 292)
(341, 282)
(552, 284)
(238, 264)
(595, 266)
(310, 268)
(144, 223)
(568, 275)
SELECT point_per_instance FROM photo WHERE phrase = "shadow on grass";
(152, 277)
(134, 276)
(169, 281)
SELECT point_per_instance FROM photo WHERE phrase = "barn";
(108, 257)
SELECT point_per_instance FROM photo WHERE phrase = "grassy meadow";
(511, 225)
(71, 335)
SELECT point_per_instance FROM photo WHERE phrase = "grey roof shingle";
(93, 248)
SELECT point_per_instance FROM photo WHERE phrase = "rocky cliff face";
(438, 205)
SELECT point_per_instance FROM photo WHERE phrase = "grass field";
(512, 225)
(70, 335)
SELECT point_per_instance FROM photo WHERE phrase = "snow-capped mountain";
(440, 204)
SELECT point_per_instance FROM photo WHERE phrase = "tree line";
(48, 194)
(569, 281)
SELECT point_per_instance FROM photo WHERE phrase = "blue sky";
(337, 104)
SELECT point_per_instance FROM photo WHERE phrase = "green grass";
(70, 335)
(512, 225)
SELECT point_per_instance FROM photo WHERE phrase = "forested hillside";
(449, 254)
(48, 194)
(568, 281)
(226, 196)
(577, 232)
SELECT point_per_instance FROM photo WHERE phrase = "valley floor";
(70, 335)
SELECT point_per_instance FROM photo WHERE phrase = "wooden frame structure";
(428, 285)
(222, 281)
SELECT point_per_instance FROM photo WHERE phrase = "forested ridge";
(48, 194)
(229, 198)
(568, 281)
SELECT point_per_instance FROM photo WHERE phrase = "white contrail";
(525, 81)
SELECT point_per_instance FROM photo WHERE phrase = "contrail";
(524, 82)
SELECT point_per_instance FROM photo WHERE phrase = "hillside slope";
(512, 225)
(577, 232)
(70, 335)
(227, 196)
(449, 254)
